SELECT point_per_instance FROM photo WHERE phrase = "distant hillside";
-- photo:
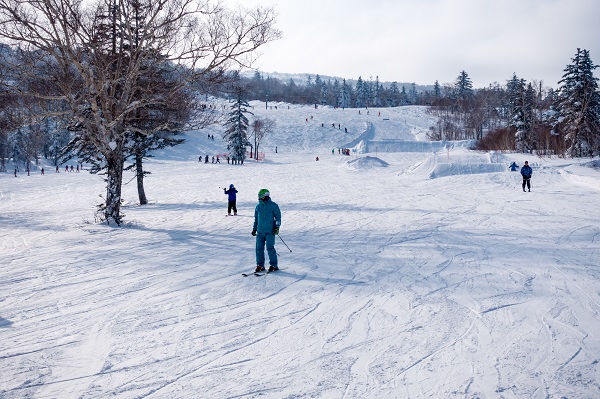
(302, 78)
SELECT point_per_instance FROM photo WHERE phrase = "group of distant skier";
(43, 170)
(230, 160)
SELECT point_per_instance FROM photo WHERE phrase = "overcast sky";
(422, 41)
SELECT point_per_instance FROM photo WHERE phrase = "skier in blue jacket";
(231, 199)
(526, 172)
(267, 219)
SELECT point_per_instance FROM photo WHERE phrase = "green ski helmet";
(263, 193)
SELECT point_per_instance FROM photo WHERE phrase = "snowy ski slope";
(413, 273)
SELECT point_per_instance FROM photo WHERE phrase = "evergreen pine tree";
(318, 81)
(529, 104)
(578, 107)
(515, 88)
(394, 96)
(377, 93)
(511, 99)
(413, 97)
(368, 86)
(324, 94)
(345, 95)
(403, 96)
(360, 93)
(236, 133)
(336, 93)
(464, 87)
(437, 91)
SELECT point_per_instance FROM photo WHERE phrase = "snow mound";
(595, 164)
(585, 174)
(449, 169)
(367, 163)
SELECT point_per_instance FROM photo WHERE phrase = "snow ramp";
(455, 163)
(393, 145)
(449, 169)
(368, 134)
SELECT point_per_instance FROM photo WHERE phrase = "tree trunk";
(112, 208)
(139, 172)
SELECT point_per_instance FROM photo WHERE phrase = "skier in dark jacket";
(267, 219)
(526, 172)
(231, 199)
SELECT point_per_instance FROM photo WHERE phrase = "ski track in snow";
(413, 274)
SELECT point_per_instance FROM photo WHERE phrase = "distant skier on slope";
(526, 172)
(231, 199)
(267, 219)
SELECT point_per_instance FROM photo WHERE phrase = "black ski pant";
(526, 182)
(230, 206)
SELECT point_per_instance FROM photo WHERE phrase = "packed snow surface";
(410, 273)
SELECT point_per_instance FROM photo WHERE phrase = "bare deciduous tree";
(94, 57)
(261, 128)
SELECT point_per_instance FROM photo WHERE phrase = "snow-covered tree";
(523, 116)
(361, 93)
(345, 95)
(236, 134)
(368, 89)
(376, 93)
(463, 87)
(577, 107)
(437, 90)
(529, 110)
(413, 97)
(324, 94)
(403, 96)
(336, 93)
(515, 89)
(394, 96)
(318, 81)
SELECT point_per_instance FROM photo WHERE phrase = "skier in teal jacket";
(267, 219)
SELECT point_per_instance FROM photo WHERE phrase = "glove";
(254, 233)
(276, 230)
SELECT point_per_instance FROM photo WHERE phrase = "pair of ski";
(258, 274)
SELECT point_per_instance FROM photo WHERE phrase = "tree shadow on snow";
(4, 323)
(190, 206)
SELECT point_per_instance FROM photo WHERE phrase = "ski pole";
(283, 242)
